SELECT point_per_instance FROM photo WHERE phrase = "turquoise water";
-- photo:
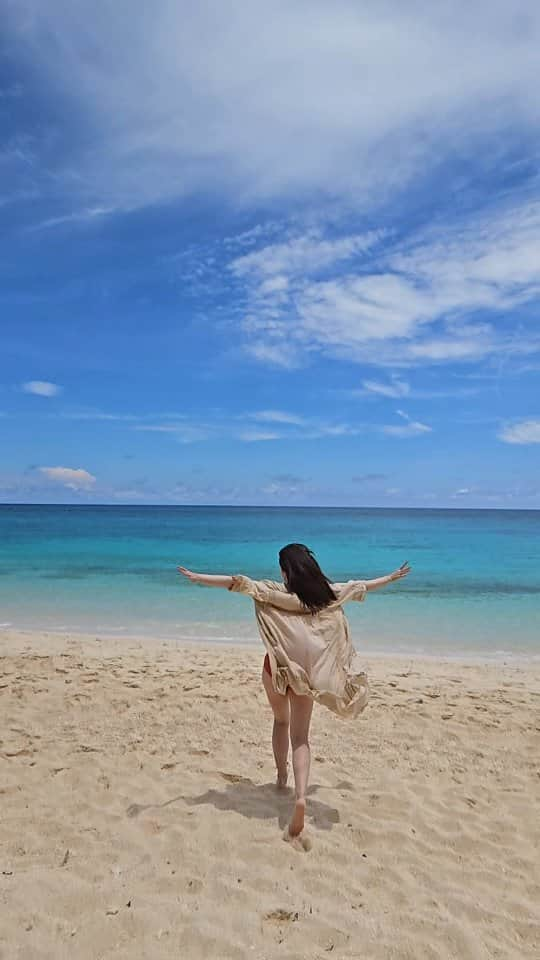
(475, 585)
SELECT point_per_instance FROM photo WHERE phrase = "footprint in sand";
(136, 808)
(302, 842)
(235, 778)
(282, 916)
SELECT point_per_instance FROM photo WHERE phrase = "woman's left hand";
(403, 570)
(194, 577)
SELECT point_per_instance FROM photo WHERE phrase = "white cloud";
(254, 436)
(184, 432)
(157, 428)
(276, 354)
(248, 238)
(267, 425)
(97, 415)
(78, 216)
(273, 285)
(73, 479)
(299, 255)
(411, 428)
(411, 303)
(522, 432)
(277, 416)
(396, 388)
(285, 485)
(353, 310)
(369, 478)
(294, 427)
(120, 417)
(475, 343)
(132, 494)
(393, 389)
(339, 99)
(335, 430)
(41, 388)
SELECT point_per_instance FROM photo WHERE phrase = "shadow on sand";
(259, 801)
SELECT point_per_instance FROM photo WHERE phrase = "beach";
(140, 820)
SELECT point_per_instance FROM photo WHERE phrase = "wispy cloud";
(277, 416)
(256, 436)
(394, 388)
(184, 432)
(70, 477)
(411, 428)
(295, 427)
(249, 238)
(369, 478)
(262, 425)
(408, 303)
(120, 417)
(302, 254)
(88, 215)
(521, 432)
(378, 95)
(97, 415)
(275, 354)
(284, 485)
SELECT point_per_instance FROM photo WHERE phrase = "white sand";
(139, 817)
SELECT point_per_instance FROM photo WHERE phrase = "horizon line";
(262, 506)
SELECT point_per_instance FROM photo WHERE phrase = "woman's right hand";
(189, 574)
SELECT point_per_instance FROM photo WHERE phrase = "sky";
(282, 254)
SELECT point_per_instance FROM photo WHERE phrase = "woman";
(309, 654)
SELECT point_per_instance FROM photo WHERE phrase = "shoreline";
(124, 642)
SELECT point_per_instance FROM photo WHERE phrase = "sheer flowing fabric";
(311, 653)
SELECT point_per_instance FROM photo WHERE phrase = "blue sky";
(286, 257)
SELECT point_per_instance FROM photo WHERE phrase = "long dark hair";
(305, 577)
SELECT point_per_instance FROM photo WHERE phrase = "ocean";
(474, 588)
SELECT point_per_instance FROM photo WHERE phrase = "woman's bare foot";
(297, 821)
(282, 777)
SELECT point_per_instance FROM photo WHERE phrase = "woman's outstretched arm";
(207, 579)
(379, 582)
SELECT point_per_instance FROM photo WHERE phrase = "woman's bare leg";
(280, 732)
(301, 710)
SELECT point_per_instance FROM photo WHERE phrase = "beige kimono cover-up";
(311, 653)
